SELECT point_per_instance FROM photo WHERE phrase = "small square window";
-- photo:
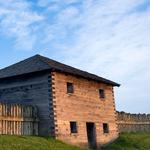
(101, 93)
(105, 128)
(73, 127)
(70, 88)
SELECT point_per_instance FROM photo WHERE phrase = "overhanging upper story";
(39, 63)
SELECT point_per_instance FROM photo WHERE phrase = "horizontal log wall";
(18, 119)
(31, 89)
(133, 122)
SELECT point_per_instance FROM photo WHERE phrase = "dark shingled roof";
(39, 63)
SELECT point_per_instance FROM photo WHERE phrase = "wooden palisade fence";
(133, 122)
(16, 119)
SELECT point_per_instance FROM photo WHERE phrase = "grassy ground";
(32, 143)
(131, 141)
(126, 141)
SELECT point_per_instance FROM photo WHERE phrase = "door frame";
(91, 135)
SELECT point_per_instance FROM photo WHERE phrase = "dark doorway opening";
(91, 135)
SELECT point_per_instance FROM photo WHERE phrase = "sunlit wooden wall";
(18, 119)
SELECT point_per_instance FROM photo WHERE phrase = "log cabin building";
(74, 106)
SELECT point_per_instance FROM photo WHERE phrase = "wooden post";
(16, 119)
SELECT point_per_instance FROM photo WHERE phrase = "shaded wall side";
(33, 89)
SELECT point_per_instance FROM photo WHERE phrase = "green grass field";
(126, 141)
(32, 143)
(131, 141)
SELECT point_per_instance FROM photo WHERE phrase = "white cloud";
(110, 38)
(47, 3)
(16, 22)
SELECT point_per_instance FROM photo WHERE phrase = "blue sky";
(106, 37)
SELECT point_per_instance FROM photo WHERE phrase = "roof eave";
(109, 82)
